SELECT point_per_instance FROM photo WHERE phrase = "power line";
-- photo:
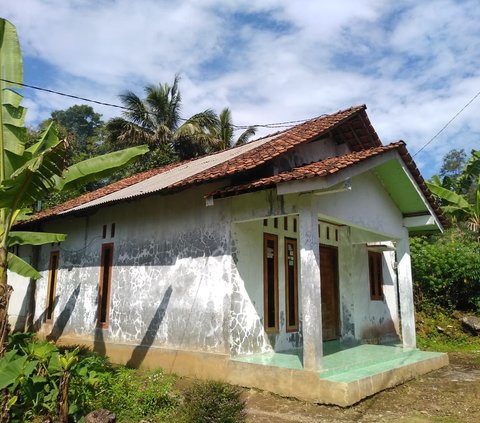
(64, 94)
(286, 124)
(274, 125)
(448, 123)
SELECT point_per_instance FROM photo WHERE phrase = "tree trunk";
(5, 292)
(63, 397)
(32, 291)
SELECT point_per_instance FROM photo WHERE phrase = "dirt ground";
(451, 394)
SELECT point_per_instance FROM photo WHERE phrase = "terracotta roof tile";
(320, 168)
(351, 125)
(332, 165)
(275, 145)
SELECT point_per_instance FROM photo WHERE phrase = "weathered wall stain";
(208, 262)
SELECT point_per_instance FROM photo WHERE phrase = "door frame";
(336, 286)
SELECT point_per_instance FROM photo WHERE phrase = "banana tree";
(463, 205)
(28, 175)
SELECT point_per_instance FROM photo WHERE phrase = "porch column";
(310, 293)
(405, 289)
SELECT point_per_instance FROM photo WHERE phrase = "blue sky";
(414, 64)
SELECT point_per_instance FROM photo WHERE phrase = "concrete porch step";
(340, 358)
(372, 366)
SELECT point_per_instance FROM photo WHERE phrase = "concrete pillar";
(346, 287)
(405, 290)
(310, 289)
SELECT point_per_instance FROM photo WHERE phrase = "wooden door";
(329, 286)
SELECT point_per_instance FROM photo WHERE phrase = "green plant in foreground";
(213, 402)
(28, 175)
(134, 395)
(441, 330)
(37, 379)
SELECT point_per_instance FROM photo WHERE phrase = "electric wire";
(274, 125)
(286, 124)
(447, 124)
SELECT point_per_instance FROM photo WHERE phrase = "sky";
(415, 64)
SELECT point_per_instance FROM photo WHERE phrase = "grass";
(440, 330)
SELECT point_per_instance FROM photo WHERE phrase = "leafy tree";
(453, 163)
(85, 133)
(82, 125)
(223, 132)
(156, 120)
(29, 174)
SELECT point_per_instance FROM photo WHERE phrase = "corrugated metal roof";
(174, 175)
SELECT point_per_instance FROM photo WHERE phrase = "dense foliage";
(446, 270)
(39, 379)
(35, 375)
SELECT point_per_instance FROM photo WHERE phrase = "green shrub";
(133, 395)
(446, 271)
(30, 377)
(213, 402)
(90, 380)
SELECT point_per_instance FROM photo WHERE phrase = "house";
(282, 264)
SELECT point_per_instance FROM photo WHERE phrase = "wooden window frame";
(270, 237)
(375, 273)
(294, 327)
(52, 286)
(104, 324)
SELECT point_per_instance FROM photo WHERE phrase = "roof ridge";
(268, 148)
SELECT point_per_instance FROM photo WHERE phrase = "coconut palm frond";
(246, 135)
(137, 112)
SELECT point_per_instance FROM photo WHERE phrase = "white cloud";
(415, 64)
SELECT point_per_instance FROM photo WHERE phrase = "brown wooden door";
(329, 285)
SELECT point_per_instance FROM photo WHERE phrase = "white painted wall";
(189, 276)
(367, 205)
(18, 307)
(248, 240)
(171, 274)
(374, 320)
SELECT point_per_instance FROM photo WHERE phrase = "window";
(376, 277)
(291, 284)
(104, 288)
(270, 282)
(52, 285)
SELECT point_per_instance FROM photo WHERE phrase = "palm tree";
(223, 132)
(156, 120)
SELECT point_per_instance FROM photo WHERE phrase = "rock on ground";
(472, 323)
(101, 416)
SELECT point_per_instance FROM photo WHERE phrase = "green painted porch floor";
(346, 363)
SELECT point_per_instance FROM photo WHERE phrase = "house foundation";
(370, 368)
